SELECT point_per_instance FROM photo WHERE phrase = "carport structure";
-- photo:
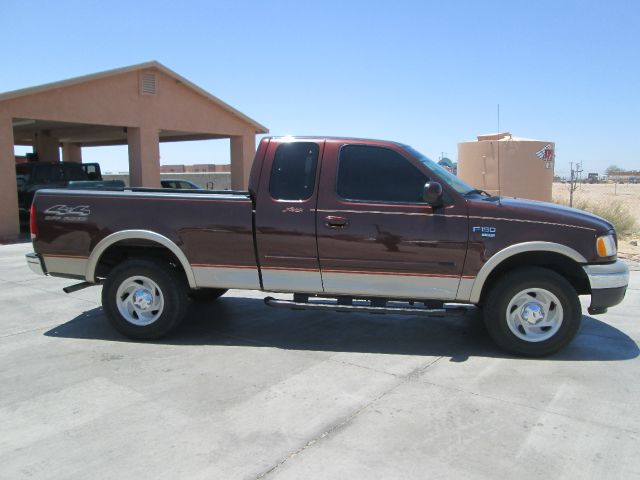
(139, 106)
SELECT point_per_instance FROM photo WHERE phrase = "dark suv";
(31, 177)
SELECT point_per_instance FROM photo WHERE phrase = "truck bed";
(212, 229)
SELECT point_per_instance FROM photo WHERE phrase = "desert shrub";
(614, 211)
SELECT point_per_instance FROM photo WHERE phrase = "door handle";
(336, 222)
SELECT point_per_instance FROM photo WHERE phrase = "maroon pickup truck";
(343, 224)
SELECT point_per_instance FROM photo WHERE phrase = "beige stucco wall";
(521, 173)
(117, 100)
(9, 223)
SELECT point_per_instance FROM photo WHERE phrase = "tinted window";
(47, 173)
(293, 175)
(74, 172)
(378, 174)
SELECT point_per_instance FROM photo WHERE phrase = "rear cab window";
(293, 174)
(74, 172)
(47, 173)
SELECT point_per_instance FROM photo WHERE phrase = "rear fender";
(148, 235)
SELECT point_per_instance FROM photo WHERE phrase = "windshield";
(448, 177)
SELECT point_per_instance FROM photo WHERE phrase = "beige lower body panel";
(464, 290)
(299, 281)
(224, 277)
(391, 286)
(65, 265)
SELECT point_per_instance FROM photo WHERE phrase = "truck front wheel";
(532, 312)
(144, 299)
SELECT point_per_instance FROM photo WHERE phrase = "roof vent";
(148, 85)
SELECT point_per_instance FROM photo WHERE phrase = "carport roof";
(141, 66)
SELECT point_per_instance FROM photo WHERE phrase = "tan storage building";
(510, 166)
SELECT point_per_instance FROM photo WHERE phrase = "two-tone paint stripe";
(304, 280)
(470, 217)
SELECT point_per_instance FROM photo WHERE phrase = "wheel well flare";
(121, 246)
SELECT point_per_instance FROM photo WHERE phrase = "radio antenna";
(498, 144)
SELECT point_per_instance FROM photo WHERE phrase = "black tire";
(533, 281)
(205, 295)
(169, 286)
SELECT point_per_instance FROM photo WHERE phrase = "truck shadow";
(242, 321)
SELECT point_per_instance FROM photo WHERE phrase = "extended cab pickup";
(374, 225)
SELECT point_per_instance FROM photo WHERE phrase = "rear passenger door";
(286, 218)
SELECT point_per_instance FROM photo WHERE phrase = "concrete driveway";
(244, 391)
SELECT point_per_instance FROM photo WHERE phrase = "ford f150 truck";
(343, 224)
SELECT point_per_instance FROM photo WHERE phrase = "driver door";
(376, 236)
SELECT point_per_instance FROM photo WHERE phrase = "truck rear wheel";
(144, 299)
(532, 312)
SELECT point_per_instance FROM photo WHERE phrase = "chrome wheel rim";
(534, 315)
(140, 300)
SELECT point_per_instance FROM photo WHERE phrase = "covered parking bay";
(138, 106)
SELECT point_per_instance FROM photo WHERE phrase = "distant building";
(631, 176)
(199, 168)
(171, 168)
(506, 165)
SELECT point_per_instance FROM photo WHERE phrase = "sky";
(427, 73)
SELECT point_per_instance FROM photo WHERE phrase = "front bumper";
(36, 264)
(608, 285)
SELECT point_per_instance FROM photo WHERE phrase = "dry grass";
(619, 204)
(612, 210)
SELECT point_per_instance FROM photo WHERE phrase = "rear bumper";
(608, 285)
(36, 264)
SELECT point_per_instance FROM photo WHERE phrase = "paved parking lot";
(244, 391)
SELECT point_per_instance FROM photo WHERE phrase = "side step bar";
(77, 286)
(334, 306)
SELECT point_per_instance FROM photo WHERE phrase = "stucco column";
(243, 149)
(144, 156)
(9, 222)
(71, 152)
(47, 147)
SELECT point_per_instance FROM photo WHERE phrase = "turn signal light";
(606, 246)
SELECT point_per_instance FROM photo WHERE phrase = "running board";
(333, 306)
(77, 286)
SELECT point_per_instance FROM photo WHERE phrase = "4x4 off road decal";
(69, 214)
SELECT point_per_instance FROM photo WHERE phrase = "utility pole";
(574, 182)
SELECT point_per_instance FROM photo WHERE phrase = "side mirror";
(432, 194)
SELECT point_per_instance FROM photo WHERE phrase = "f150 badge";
(485, 231)
(66, 213)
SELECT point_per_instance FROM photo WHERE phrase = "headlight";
(606, 246)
